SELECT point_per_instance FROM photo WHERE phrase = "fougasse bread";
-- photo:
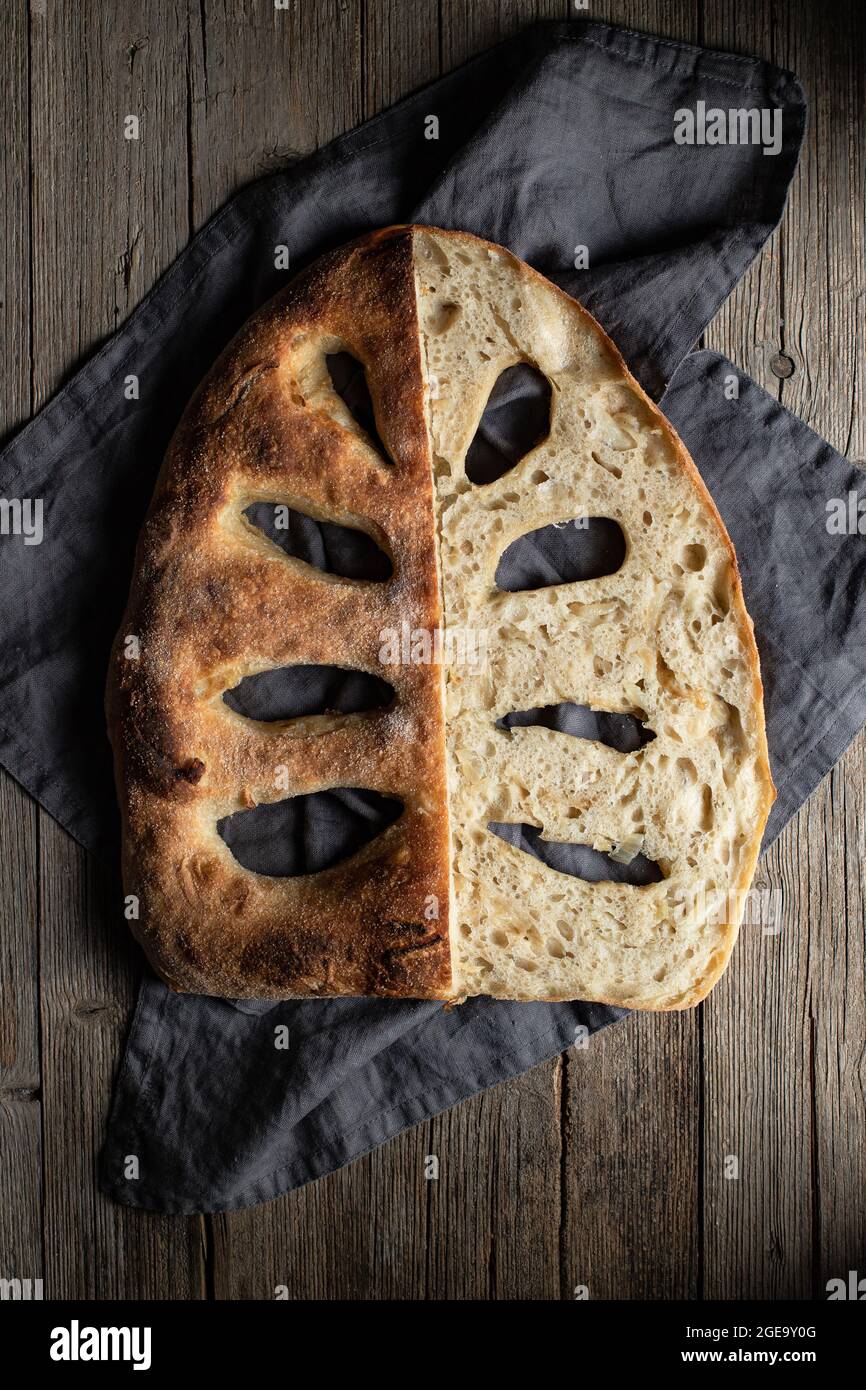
(437, 906)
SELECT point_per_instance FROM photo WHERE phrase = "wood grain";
(495, 1213)
(20, 1103)
(96, 249)
(633, 1145)
(401, 50)
(468, 29)
(605, 1168)
(265, 87)
(824, 296)
(748, 328)
(781, 1079)
(756, 1164)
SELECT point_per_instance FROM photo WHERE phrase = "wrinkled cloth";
(559, 139)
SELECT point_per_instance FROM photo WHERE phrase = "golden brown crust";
(211, 601)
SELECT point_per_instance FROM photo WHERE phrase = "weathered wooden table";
(604, 1168)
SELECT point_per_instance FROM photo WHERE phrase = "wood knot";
(96, 1011)
(782, 366)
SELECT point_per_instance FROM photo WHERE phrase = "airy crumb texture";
(437, 906)
(666, 639)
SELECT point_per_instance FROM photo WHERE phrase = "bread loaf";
(439, 905)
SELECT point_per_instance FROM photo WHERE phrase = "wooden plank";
(20, 1102)
(267, 86)
(748, 328)
(824, 290)
(21, 1177)
(756, 1142)
(119, 218)
(358, 1234)
(15, 215)
(401, 50)
(19, 955)
(494, 1218)
(469, 29)
(756, 1214)
(674, 19)
(632, 1161)
(486, 1227)
(837, 968)
(823, 234)
(781, 1078)
(20, 1106)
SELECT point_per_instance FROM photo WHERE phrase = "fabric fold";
(181, 1100)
